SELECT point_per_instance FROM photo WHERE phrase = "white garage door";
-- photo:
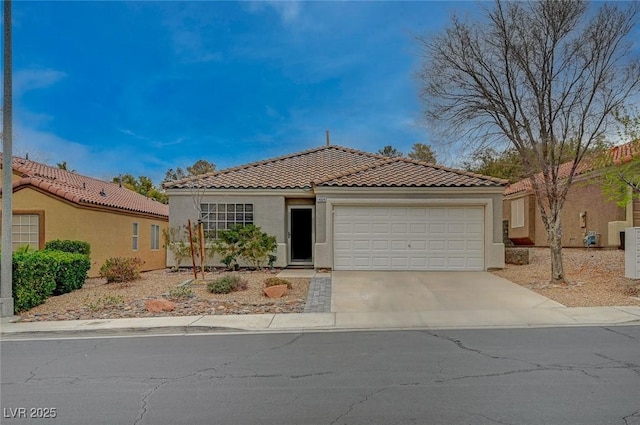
(408, 238)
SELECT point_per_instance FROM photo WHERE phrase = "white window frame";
(22, 229)
(135, 236)
(155, 237)
(517, 213)
(214, 218)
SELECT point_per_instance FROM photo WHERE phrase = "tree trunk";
(554, 233)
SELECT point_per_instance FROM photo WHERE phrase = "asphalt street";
(587, 375)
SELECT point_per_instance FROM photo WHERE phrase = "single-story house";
(587, 208)
(50, 203)
(343, 209)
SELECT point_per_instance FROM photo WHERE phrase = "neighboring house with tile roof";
(50, 203)
(344, 209)
(587, 208)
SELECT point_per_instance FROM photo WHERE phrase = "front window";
(216, 217)
(26, 231)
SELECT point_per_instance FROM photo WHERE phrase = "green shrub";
(34, 279)
(181, 293)
(247, 242)
(227, 284)
(74, 247)
(70, 270)
(274, 281)
(121, 269)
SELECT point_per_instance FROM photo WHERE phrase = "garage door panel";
(435, 228)
(418, 227)
(360, 245)
(398, 245)
(420, 245)
(398, 228)
(380, 227)
(409, 238)
(437, 245)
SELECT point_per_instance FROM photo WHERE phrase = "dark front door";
(301, 235)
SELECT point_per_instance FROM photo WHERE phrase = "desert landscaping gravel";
(596, 278)
(98, 299)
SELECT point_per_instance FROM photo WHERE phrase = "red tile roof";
(618, 154)
(83, 190)
(334, 166)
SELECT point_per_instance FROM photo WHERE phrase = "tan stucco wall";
(584, 196)
(269, 214)
(108, 233)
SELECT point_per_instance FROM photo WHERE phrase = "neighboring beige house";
(343, 209)
(50, 203)
(586, 209)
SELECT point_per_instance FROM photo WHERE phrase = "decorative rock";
(159, 305)
(276, 291)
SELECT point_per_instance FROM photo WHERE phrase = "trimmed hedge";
(39, 274)
(33, 279)
(70, 270)
(74, 247)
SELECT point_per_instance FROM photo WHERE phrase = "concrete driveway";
(398, 291)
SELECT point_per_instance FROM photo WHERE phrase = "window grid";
(134, 239)
(26, 231)
(216, 217)
(155, 237)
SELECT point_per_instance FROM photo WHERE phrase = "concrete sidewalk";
(441, 319)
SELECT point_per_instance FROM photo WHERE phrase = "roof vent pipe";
(328, 141)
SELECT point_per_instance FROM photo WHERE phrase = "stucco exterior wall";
(109, 233)
(269, 212)
(583, 197)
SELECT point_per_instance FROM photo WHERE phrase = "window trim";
(155, 237)
(40, 214)
(135, 238)
(517, 213)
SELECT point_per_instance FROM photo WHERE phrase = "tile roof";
(618, 154)
(334, 166)
(83, 190)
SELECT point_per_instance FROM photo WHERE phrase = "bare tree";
(544, 76)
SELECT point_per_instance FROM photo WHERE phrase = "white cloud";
(287, 11)
(32, 79)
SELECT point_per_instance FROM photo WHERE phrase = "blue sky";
(140, 87)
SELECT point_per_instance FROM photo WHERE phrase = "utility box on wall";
(632, 253)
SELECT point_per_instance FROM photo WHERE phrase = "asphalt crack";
(353, 405)
(635, 416)
(145, 398)
(617, 332)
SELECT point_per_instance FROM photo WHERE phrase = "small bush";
(274, 281)
(102, 303)
(227, 284)
(34, 279)
(181, 293)
(74, 247)
(121, 269)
